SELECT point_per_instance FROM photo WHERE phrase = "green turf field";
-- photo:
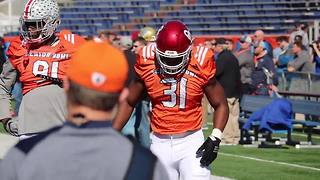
(252, 163)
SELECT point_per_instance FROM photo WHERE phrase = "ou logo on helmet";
(159, 30)
(187, 34)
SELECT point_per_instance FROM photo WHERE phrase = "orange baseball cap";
(99, 66)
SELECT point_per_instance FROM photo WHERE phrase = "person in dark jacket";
(263, 64)
(228, 75)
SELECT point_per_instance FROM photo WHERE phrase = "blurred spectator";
(259, 37)
(286, 54)
(302, 30)
(207, 44)
(299, 39)
(228, 75)
(230, 45)
(2, 53)
(134, 35)
(125, 46)
(125, 43)
(89, 38)
(316, 54)
(138, 44)
(302, 61)
(139, 123)
(263, 62)
(245, 58)
(110, 37)
(210, 44)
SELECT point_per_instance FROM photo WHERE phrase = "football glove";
(209, 149)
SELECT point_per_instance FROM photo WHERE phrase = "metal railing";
(300, 85)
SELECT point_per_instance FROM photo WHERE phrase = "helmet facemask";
(171, 62)
(38, 30)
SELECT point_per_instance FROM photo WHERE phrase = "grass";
(229, 164)
(2, 128)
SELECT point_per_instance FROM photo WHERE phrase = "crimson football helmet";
(173, 47)
(39, 20)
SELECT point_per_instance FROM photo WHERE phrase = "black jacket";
(228, 74)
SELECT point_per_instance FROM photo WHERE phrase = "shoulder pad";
(202, 54)
(148, 51)
(15, 48)
(72, 39)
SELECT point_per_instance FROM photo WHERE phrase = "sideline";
(270, 161)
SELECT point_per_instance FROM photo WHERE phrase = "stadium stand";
(203, 16)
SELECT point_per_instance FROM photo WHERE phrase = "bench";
(250, 104)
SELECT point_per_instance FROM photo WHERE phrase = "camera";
(314, 42)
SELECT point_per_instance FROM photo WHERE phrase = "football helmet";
(173, 47)
(39, 20)
(147, 33)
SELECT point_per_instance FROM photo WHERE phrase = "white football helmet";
(39, 20)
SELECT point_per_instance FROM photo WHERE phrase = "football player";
(176, 75)
(39, 58)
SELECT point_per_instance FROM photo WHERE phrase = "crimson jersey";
(48, 60)
(176, 100)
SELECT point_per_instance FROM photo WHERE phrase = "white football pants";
(178, 153)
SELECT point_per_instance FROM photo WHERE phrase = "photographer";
(316, 54)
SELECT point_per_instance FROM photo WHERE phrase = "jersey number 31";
(172, 92)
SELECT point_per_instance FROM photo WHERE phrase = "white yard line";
(305, 135)
(270, 161)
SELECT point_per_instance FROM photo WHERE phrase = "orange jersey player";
(176, 76)
(176, 100)
(39, 60)
(44, 65)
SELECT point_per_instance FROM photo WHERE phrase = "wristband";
(216, 133)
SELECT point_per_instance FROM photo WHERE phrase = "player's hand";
(10, 126)
(209, 150)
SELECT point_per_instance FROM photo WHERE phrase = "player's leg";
(234, 111)
(162, 148)
(189, 165)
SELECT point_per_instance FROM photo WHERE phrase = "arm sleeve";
(247, 59)
(271, 68)
(7, 80)
(298, 62)
(317, 59)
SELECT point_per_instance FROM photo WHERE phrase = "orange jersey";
(176, 101)
(48, 60)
